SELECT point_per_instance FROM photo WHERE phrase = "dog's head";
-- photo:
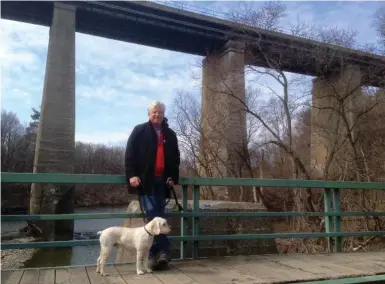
(158, 226)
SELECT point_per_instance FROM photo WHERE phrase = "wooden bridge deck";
(291, 268)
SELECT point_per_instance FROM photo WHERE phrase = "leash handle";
(180, 208)
(141, 209)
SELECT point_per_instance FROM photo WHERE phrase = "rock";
(86, 236)
(12, 235)
(15, 258)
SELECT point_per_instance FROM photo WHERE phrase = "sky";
(115, 81)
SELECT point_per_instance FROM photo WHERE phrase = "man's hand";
(170, 182)
(135, 181)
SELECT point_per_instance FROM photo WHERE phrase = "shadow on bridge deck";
(366, 267)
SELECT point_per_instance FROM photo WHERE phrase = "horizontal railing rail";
(332, 212)
(205, 181)
(198, 238)
(88, 216)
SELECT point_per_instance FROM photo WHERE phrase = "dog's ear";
(155, 227)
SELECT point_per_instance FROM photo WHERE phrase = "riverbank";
(79, 255)
(15, 258)
(15, 199)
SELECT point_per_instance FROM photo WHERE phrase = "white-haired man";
(152, 167)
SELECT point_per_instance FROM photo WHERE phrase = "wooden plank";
(46, 276)
(73, 275)
(128, 273)
(239, 269)
(373, 263)
(112, 277)
(218, 271)
(38, 276)
(174, 276)
(30, 276)
(379, 255)
(229, 273)
(268, 271)
(11, 277)
(321, 266)
(352, 280)
(199, 273)
(371, 256)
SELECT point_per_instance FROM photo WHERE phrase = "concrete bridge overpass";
(165, 27)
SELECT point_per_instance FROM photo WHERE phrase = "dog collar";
(147, 231)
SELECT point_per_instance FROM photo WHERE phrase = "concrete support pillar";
(333, 98)
(55, 145)
(224, 143)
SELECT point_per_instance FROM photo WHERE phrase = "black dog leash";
(177, 207)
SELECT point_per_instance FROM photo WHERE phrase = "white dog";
(140, 238)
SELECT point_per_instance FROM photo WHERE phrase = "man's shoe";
(152, 262)
(163, 260)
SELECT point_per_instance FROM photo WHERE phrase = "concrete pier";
(55, 145)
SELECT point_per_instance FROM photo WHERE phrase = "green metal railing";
(332, 212)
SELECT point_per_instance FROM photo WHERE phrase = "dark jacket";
(141, 154)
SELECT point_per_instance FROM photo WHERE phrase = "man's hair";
(154, 105)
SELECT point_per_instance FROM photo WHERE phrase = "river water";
(84, 229)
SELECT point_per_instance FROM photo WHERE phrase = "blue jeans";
(155, 208)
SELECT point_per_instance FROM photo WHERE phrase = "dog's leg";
(98, 264)
(139, 263)
(104, 253)
(98, 260)
(145, 262)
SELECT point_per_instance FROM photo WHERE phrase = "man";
(152, 168)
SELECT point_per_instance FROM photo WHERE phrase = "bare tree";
(379, 24)
(16, 156)
(280, 125)
(12, 132)
(279, 116)
(203, 154)
(100, 159)
(267, 17)
(17, 146)
(347, 104)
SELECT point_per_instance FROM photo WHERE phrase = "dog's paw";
(97, 270)
(140, 272)
(149, 270)
(103, 273)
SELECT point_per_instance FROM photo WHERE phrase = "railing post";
(183, 222)
(328, 209)
(195, 251)
(337, 219)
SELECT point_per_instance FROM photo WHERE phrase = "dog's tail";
(99, 233)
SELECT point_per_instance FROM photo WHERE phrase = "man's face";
(157, 115)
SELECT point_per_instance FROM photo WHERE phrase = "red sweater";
(159, 163)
